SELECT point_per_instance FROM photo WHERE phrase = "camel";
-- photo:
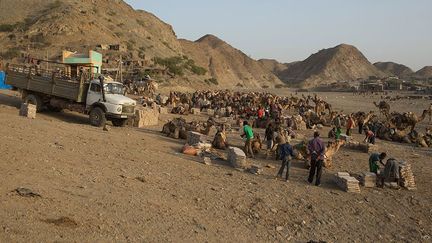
(220, 140)
(362, 118)
(406, 120)
(430, 113)
(257, 144)
(383, 107)
(332, 148)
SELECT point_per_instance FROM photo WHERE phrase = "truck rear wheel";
(54, 109)
(119, 122)
(34, 100)
(97, 117)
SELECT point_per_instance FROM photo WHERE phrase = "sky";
(288, 30)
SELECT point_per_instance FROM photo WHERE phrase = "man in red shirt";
(370, 136)
(261, 113)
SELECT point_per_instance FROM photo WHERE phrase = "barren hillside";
(341, 63)
(391, 68)
(229, 66)
(39, 27)
(424, 73)
(55, 25)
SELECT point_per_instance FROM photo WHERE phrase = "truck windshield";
(113, 88)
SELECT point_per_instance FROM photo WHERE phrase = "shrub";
(39, 38)
(130, 45)
(7, 27)
(11, 53)
(212, 81)
(177, 65)
(54, 5)
(198, 70)
(140, 22)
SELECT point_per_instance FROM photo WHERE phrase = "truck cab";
(106, 101)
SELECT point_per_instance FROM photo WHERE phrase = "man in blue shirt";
(286, 151)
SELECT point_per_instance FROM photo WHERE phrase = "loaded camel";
(406, 120)
(362, 118)
(383, 107)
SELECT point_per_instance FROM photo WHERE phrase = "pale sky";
(288, 30)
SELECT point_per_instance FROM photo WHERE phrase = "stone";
(207, 161)
(279, 228)
(194, 138)
(256, 170)
(25, 192)
(237, 158)
(345, 138)
(212, 131)
(372, 148)
(146, 117)
(163, 110)
(229, 110)
(368, 179)
(347, 182)
(28, 110)
(195, 111)
(210, 112)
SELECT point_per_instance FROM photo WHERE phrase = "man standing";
(350, 125)
(261, 113)
(248, 133)
(338, 126)
(373, 161)
(316, 150)
(286, 151)
(269, 137)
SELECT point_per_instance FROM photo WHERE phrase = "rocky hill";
(340, 63)
(228, 65)
(39, 27)
(391, 68)
(424, 73)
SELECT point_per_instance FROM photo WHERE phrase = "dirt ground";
(133, 185)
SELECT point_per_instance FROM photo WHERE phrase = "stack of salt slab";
(407, 176)
(237, 158)
(28, 110)
(368, 179)
(347, 182)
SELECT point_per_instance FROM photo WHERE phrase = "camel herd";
(288, 114)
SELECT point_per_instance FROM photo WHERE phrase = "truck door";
(94, 94)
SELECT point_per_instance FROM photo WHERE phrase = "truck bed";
(46, 82)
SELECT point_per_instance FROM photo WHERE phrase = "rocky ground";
(131, 185)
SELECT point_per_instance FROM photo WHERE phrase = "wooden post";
(121, 69)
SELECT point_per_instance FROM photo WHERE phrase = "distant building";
(118, 47)
(91, 61)
(371, 86)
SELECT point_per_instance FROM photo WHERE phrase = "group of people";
(286, 152)
(388, 171)
(336, 131)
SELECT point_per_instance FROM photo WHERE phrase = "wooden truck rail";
(49, 82)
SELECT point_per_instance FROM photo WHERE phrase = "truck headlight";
(119, 109)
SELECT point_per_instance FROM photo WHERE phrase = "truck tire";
(119, 122)
(97, 117)
(34, 100)
(54, 109)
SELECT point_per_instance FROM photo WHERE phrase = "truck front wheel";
(34, 100)
(119, 122)
(97, 117)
